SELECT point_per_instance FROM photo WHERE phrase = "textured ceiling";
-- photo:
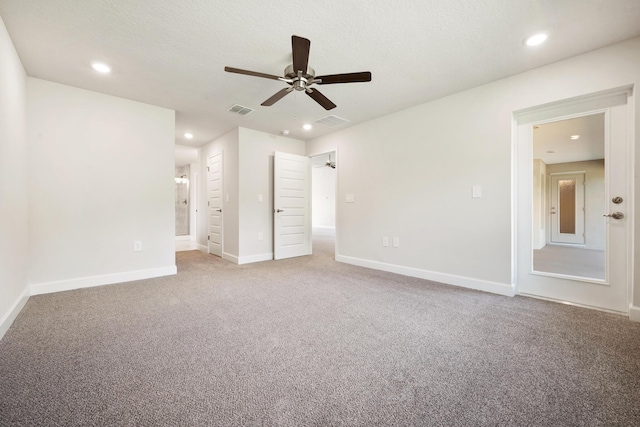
(172, 54)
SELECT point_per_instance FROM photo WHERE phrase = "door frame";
(319, 153)
(566, 109)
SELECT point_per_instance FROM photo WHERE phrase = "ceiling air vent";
(243, 111)
(332, 121)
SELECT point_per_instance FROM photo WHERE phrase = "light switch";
(350, 198)
(385, 241)
(260, 198)
(477, 191)
(396, 242)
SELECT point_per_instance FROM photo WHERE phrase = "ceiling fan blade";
(251, 73)
(321, 99)
(364, 76)
(300, 48)
(277, 97)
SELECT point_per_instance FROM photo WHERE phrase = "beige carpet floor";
(312, 342)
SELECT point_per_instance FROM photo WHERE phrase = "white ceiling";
(553, 144)
(172, 54)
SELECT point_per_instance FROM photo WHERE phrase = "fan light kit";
(574, 137)
(299, 76)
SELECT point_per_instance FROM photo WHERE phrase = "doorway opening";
(572, 202)
(324, 179)
(569, 197)
(186, 194)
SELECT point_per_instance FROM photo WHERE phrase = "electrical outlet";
(260, 236)
(385, 241)
(396, 242)
(260, 198)
(137, 246)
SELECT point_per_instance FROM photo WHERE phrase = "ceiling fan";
(299, 76)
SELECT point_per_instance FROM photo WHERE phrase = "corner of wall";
(7, 320)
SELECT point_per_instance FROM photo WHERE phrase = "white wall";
(323, 195)
(228, 144)
(101, 176)
(594, 233)
(256, 178)
(412, 173)
(14, 231)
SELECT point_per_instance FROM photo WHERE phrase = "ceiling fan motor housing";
(300, 81)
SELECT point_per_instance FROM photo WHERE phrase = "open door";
(214, 203)
(291, 206)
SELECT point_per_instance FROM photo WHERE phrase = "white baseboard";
(229, 257)
(449, 279)
(247, 259)
(184, 238)
(107, 279)
(203, 248)
(10, 316)
(255, 258)
(634, 313)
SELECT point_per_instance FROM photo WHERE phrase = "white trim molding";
(107, 279)
(10, 316)
(255, 258)
(229, 257)
(247, 259)
(634, 313)
(448, 279)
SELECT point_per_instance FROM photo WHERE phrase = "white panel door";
(214, 203)
(567, 208)
(291, 203)
(610, 293)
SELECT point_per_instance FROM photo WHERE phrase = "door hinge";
(207, 203)
(208, 237)
(207, 168)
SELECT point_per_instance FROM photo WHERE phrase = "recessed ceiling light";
(101, 67)
(575, 137)
(307, 126)
(535, 40)
(188, 135)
